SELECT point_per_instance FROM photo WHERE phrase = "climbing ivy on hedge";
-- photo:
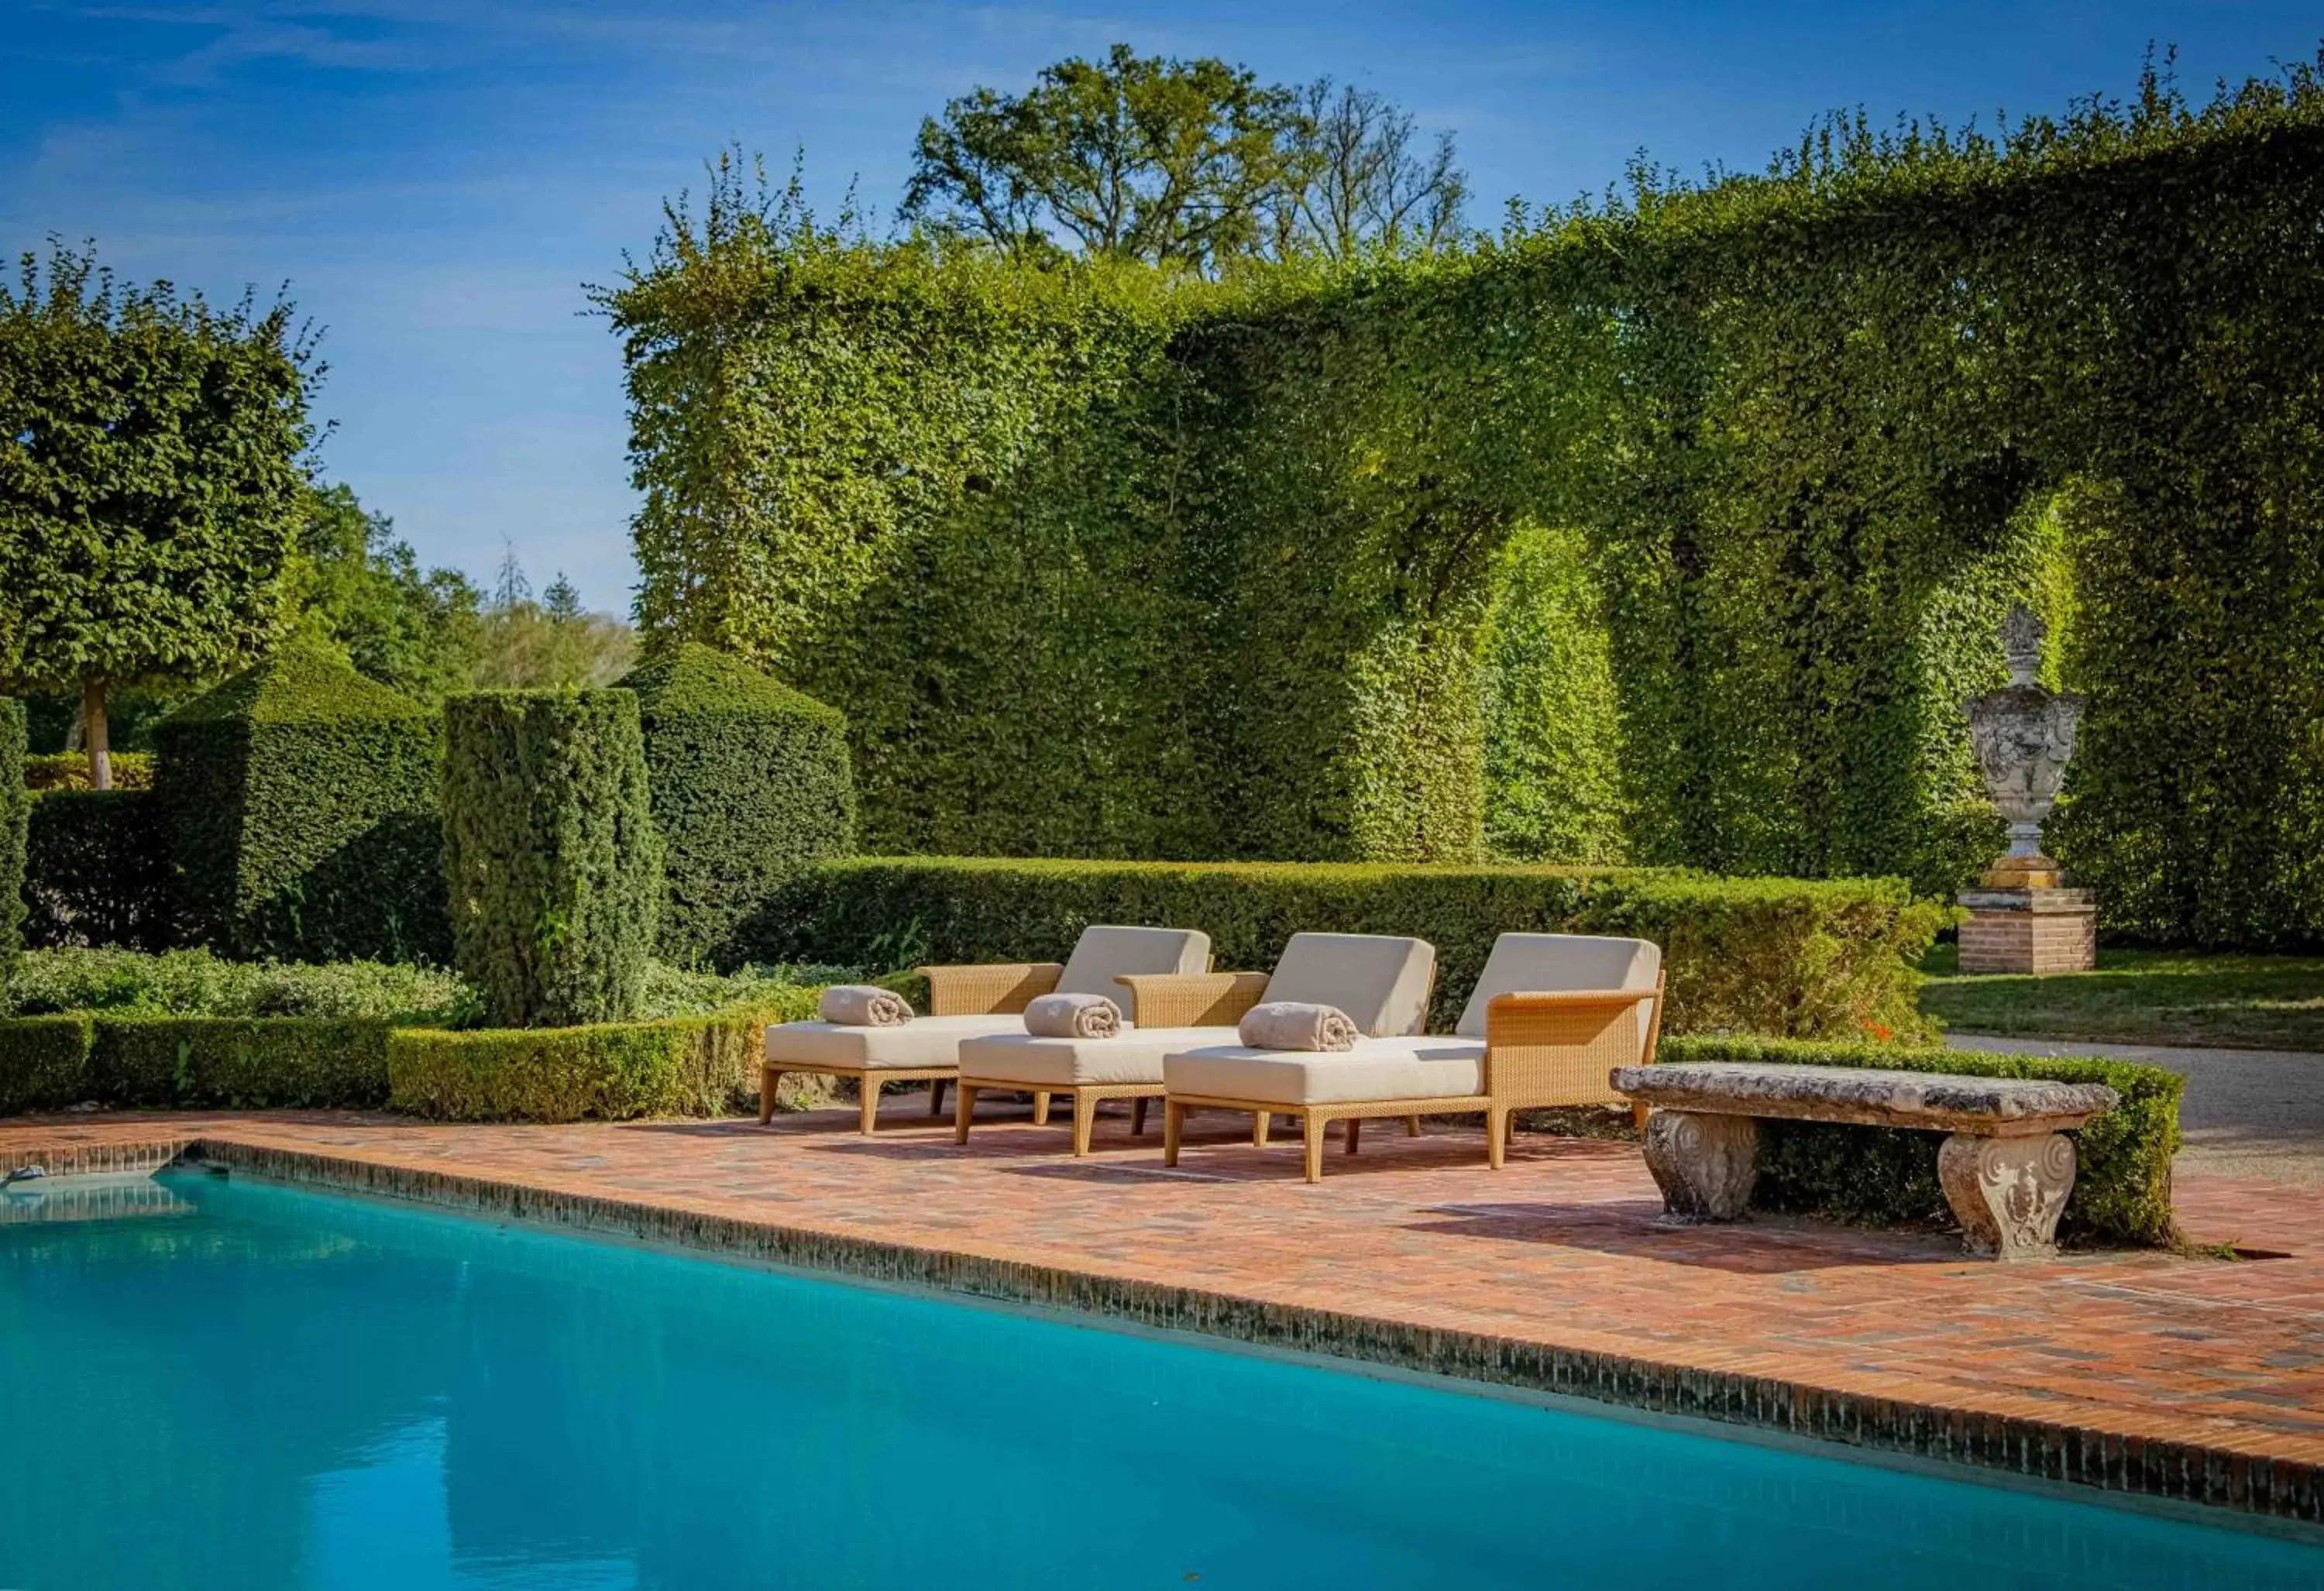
(550, 855)
(15, 811)
(300, 799)
(749, 781)
(1673, 528)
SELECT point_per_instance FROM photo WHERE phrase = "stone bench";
(2005, 1170)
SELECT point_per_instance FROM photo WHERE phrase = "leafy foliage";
(196, 983)
(68, 770)
(1831, 960)
(749, 782)
(2122, 1186)
(97, 871)
(1105, 562)
(301, 800)
(359, 589)
(44, 1062)
(16, 811)
(551, 854)
(150, 484)
(51, 1062)
(682, 1066)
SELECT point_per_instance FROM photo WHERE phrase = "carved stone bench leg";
(1704, 1165)
(2008, 1193)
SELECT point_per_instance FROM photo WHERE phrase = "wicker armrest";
(1193, 1000)
(1000, 990)
(1555, 1047)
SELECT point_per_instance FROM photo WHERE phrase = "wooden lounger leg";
(1040, 1107)
(867, 1116)
(768, 1080)
(1412, 1127)
(1639, 1114)
(963, 1111)
(936, 1096)
(1260, 1121)
(1312, 1126)
(1085, 1119)
(1355, 1128)
(1137, 1117)
(1497, 1136)
(1173, 1122)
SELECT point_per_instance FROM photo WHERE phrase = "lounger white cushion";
(924, 1041)
(1104, 952)
(1399, 1068)
(1133, 1056)
(1379, 980)
(1528, 963)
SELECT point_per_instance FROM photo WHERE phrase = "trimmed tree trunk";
(92, 718)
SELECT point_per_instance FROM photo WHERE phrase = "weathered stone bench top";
(1939, 1101)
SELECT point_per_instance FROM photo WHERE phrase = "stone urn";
(2021, 919)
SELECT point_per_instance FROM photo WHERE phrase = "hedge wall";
(683, 1066)
(301, 803)
(51, 1062)
(1812, 960)
(1889, 1175)
(551, 854)
(749, 781)
(98, 872)
(1672, 530)
(15, 804)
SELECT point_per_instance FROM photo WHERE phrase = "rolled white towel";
(863, 1005)
(1293, 1025)
(1073, 1015)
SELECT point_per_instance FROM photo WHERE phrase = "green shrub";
(239, 1063)
(688, 991)
(2122, 1188)
(682, 1066)
(551, 854)
(749, 781)
(301, 805)
(15, 805)
(196, 983)
(44, 1062)
(97, 870)
(68, 770)
(1809, 959)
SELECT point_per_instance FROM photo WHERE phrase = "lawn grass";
(2141, 997)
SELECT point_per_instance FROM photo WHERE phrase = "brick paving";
(2221, 1363)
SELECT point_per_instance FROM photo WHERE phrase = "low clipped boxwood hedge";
(49, 1062)
(750, 781)
(680, 1066)
(1802, 958)
(1889, 1175)
(300, 799)
(97, 871)
(44, 1062)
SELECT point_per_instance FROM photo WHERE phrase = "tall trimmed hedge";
(98, 872)
(750, 781)
(1801, 959)
(301, 803)
(15, 811)
(550, 855)
(1100, 567)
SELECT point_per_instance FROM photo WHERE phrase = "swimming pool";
(237, 1384)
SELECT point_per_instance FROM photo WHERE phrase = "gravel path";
(2248, 1113)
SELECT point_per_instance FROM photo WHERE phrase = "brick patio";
(2195, 1378)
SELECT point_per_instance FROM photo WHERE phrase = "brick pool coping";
(2145, 1375)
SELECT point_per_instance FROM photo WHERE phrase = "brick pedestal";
(2029, 931)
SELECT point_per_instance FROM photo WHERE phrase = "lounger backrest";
(1524, 963)
(1103, 953)
(1382, 982)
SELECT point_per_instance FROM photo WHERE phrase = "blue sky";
(436, 179)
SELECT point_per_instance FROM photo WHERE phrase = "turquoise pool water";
(231, 1384)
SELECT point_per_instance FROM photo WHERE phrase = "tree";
(551, 643)
(360, 589)
(1195, 164)
(151, 490)
(1354, 178)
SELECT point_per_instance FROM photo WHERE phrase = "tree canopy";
(1188, 164)
(150, 485)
